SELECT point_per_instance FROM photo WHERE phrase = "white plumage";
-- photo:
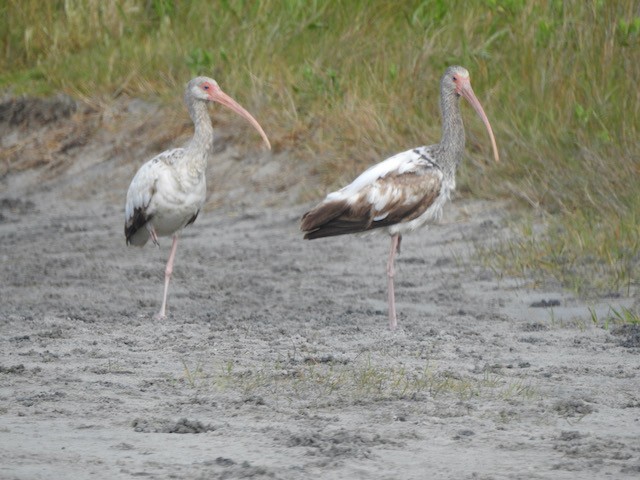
(168, 197)
(168, 191)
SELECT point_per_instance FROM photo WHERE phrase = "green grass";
(615, 316)
(366, 378)
(344, 84)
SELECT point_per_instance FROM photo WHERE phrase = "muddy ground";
(275, 360)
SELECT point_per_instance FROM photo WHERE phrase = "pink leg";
(167, 276)
(395, 244)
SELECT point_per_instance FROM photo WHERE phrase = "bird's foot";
(159, 316)
(153, 235)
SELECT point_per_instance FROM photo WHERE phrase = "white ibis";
(405, 191)
(168, 191)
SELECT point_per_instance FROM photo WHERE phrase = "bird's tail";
(329, 219)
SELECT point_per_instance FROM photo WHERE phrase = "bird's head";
(202, 88)
(456, 81)
(207, 90)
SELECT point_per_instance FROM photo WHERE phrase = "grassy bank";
(345, 84)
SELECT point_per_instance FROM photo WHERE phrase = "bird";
(407, 190)
(168, 191)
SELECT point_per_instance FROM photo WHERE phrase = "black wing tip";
(138, 220)
(336, 228)
(313, 234)
(129, 231)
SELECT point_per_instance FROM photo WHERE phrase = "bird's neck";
(200, 146)
(452, 142)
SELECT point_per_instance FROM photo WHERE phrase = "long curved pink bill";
(467, 92)
(230, 103)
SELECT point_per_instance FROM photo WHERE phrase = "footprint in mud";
(183, 425)
(573, 407)
(11, 209)
(546, 303)
(629, 335)
(340, 443)
(13, 369)
(600, 451)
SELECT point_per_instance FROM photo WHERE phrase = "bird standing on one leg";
(168, 191)
(407, 190)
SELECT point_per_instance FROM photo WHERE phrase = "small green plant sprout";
(617, 316)
(544, 33)
(193, 376)
(199, 61)
(625, 316)
(628, 32)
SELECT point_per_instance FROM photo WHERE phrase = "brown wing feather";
(333, 218)
(408, 196)
(322, 214)
(418, 192)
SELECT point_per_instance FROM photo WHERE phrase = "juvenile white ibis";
(405, 191)
(168, 191)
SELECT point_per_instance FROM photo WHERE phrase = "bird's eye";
(206, 87)
(455, 79)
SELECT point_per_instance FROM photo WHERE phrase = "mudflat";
(275, 359)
